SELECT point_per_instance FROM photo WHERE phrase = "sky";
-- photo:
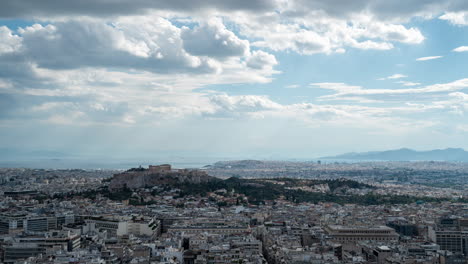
(232, 78)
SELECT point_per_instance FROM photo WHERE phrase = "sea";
(104, 164)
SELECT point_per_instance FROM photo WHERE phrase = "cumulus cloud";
(226, 105)
(152, 45)
(96, 60)
(126, 70)
(429, 58)
(145, 63)
(305, 27)
(140, 43)
(8, 41)
(214, 40)
(456, 18)
(52, 57)
(316, 32)
(260, 59)
(284, 37)
(393, 32)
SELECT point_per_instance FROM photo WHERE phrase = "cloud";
(393, 32)
(260, 59)
(429, 58)
(175, 49)
(371, 45)
(456, 18)
(430, 92)
(398, 10)
(146, 44)
(125, 71)
(261, 107)
(214, 40)
(292, 86)
(316, 32)
(8, 42)
(339, 87)
(68, 113)
(100, 8)
(242, 106)
(39, 55)
(393, 77)
(107, 97)
(299, 26)
(405, 83)
(148, 65)
(386, 10)
(461, 49)
(242, 103)
(282, 37)
(384, 119)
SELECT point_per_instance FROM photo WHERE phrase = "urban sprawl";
(248, 212)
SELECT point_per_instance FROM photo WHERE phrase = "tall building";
(9, 222)
(452, 235)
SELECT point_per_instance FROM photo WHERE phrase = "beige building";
(352, 234)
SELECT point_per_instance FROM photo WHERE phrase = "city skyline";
(257, 78)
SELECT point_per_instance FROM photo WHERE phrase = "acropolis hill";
(157, 175)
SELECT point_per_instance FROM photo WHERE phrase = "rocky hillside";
(141, 177)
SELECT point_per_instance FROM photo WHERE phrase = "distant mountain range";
(405, 154)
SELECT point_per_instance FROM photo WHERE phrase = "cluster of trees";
(259, 191)
(332, 184)
(367, 199)
(122, 194)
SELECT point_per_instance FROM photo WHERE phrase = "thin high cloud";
(461, 49)
(344, 91)
(429, 58)
(406, 83)
(393, 77)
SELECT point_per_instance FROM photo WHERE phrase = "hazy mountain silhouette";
(405, 154)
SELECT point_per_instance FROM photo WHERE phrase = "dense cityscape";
(233, 131)
(253, 212)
